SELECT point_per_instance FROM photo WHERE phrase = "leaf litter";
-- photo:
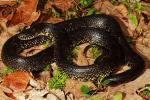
(133, 24)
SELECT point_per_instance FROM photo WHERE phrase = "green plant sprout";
(118, 95)
(90, 11)
(47, 67)
(75, 51)
(85, 90)
(133, 19)
(102, 81)
(58, 80)
(85, 3)
(6, 70)
(146, 91)
(95, 52)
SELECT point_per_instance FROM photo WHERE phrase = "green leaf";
(105, 82)
(99, 12)
(145, 8)
(56, 14)
(96, 52)
(90, 11)
(147, 85)
(85, 89)
(47, 67)
(146, 92)
(118, 96)
(46, 44)
(138, 7)
(85, 3)
(75, 51)
(86, 95)
(134, 20)
(95, 98)
(6, 70)
(57, 81)
(113, 1)
(70, 14)
(49, 42)
(138, 0)
(102, 81)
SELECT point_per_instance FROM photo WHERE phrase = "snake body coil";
(101, 31)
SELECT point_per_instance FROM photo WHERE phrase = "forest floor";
(134, 19)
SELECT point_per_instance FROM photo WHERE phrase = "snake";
(99, 30)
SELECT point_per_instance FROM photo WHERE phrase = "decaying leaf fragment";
(8, 2)
(54, 20)
(24, 12)
(3, 96)
(64, 5)
(7, 12)
(16, 81)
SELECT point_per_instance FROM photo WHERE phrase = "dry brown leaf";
(3, 96)
(58, 93)
(146, 11)
(143, 40)
(144, 50)
(33, 18)
(81, 59)
(10, 95)
(7, 2)
(24, 12)
(39, 94)
(48, 5)
(32, 94)
(32, 51)
(7, 12)
(69, 96)
(5, 89)
(104, 6)
(16, 81)
(3, 35)
(38, 84)
(122, 10)
(14, 29)
(140, 28)
(3, 27)
(54, 20)
(44, 76)
(64, 5)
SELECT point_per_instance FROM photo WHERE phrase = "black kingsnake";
(99, 30)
